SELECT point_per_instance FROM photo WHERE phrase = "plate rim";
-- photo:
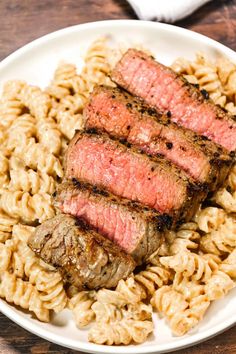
(9, 311)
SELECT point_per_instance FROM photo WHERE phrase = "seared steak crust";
(126, 117)
(124, 171)
(136, 229)
(84, 258)
(161, 87)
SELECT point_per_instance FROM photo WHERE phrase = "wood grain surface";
(21, 21)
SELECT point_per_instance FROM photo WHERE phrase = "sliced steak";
(125, 117)
(154, 182)
(85, 258)
(161, 87)
(136, 229)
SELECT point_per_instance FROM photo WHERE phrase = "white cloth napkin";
(165, 10)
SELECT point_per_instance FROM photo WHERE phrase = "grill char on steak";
(161, 87)
(136, 229)
(155, 182)
(125, 117)
(84, 258)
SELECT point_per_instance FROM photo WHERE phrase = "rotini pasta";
(37, 101)
(222, 240)
(36, 157)
(191, 265)
(31, 181)
(18, 204)
(23, 294)
(6, 225)
(22, 128)
(120, 332)
(81, 304)
(48, 283)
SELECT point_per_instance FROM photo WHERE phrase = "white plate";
(35, 63)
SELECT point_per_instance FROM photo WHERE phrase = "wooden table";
(21, 21)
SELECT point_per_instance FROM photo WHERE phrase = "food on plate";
(195, 263)
(136, 229)
(84, 257)
(126, 117)
(96, 158)
(161, 87)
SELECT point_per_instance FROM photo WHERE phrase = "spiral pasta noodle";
(23, 294)
(22, 128)
(36, 157)
(31, 181)
(81, 306)
(10, 110)
(121, 326)
(48, 283)
(49, 135)
(191, 265)
(36, 100)
(19, 204)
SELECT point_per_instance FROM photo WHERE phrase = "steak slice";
(125, 117)
(136, 229)
(155, 182)
(161, 87)
(84, 258)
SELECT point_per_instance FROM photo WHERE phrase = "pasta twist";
(187, 287)
(115, 323)
(153, 277)
(172, 304)
(10, 110)
(48, 282)
(6, 251)
(131, 290)
(205, 74)
(49, 135)
(225, 68)
(12, 88)
(36, 157)
(22, 128)
(96, 63)
(222, 240)
(191, 265)
(121, 332)
(182, 322)
(23, 294)
(52, 292)
(69, 123)
(108, 313)
(31, 181)
(36, 100)
(226, 199)
(6, 225)
(218, 285)
(185, 239)
(81, 306)
(127, 291)
(18, 204)
(61, 84)
(228, 266)
(210, 219)
(181, 314)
